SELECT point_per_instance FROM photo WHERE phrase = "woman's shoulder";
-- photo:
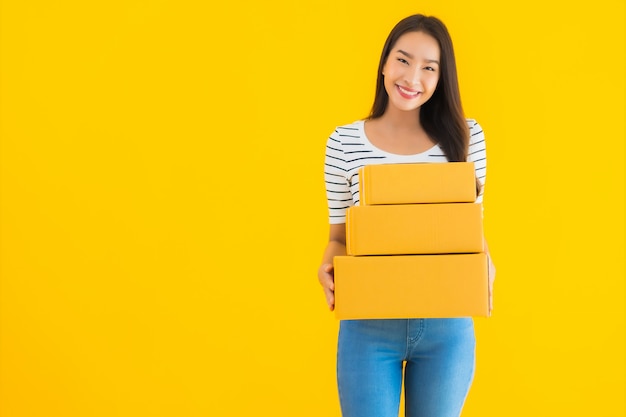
(475, 131)
(347, 131)
(355, 126)
(472, 124)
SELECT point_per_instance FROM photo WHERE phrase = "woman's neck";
(401, 121)
(399, 133)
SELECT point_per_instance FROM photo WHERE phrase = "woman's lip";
(407, 92)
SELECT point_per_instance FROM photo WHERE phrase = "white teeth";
(409, 93)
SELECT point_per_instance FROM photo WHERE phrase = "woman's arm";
(325, 274)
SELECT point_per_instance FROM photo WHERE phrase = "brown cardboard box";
(452, 182)
(414, 229)
(414, 286)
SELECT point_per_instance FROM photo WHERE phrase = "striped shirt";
(348, 149)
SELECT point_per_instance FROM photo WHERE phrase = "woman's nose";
(412, 77)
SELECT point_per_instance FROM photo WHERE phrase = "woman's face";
(412, 71)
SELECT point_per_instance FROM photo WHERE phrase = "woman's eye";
(404, 61)
(429, 68)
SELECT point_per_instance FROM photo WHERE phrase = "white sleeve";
(335, 175)
(478, 155)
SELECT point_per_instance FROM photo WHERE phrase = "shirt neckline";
(391, 154)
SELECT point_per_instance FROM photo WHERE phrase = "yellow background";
(163, 212)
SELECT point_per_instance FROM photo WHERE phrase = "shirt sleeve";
(478, 155)
(335, 176)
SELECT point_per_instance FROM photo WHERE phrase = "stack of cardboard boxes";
(414, 246)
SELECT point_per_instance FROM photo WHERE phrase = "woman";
(416, 117)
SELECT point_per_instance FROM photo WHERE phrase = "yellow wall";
(163, 211)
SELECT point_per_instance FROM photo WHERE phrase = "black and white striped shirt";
(348, 149)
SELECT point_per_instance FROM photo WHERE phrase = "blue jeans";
(439, 356)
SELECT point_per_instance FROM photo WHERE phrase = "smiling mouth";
(406, 93)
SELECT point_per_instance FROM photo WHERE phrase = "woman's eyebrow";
(408, 55)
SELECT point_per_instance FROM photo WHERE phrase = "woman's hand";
(326, 278)
(326, 274)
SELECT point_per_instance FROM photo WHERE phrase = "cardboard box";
(414, 229)
(452, 182)
(414, 286)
